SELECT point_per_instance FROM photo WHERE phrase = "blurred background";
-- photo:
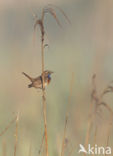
(83, 48)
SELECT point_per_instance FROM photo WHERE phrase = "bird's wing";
(38, 82)
(39, 78)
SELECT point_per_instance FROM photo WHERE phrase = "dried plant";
(15, 120)
(95, 110)
(40, 150)
(64, 136)
(8, 126)
(4, 147)
(40, 23)
(66, 118)
(49, 9)
(16, 135)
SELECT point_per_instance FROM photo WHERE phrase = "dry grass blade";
(70, 153)
(97, 101)
(94, 102)
(63, 13)
(90, 120)
(108, 137)
(94, 96)
(66, 120)
(93, 82)
(109, 131)
(4, 147)
(95, 135)
(108, 89)
(64, 135)
(107, 107)
(16, 135)
(71, 88)
(52, 12)
(38, 22)
(8, 126)
(90, 124)
(41, 144)
(34, 33)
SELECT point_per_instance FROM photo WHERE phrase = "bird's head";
(48, 72)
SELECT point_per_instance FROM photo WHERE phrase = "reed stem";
(43, 91)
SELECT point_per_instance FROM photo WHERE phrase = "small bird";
(37, 82)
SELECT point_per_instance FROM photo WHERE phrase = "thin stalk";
(92, 111)
(97, 101)
(16, 135)
(8, 126)
(95, 135)
(40, 22)
(88, 134)
(63, 142)
(4, 148)
(41, 144)
(66, 119)
(109, 132)
(43, 90)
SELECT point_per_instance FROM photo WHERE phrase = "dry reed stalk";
(72, 149)
(4, 147)
(40, 22)
(97, 101)
(108, 136)
(63, 141)
(41, 144)
(8, 126)
(88, 133)
(16, 135)
(43, 95)
(109, 131)
(66, 119)
(70, 153)
(71, 88)
(95, 134)
(90, 121)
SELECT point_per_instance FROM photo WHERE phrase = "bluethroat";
(37, 82)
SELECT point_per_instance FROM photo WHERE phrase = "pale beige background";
(84, 47)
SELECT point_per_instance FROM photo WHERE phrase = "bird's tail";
(30, 78)
(30, 85)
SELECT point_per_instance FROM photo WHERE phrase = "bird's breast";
(47, 82)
